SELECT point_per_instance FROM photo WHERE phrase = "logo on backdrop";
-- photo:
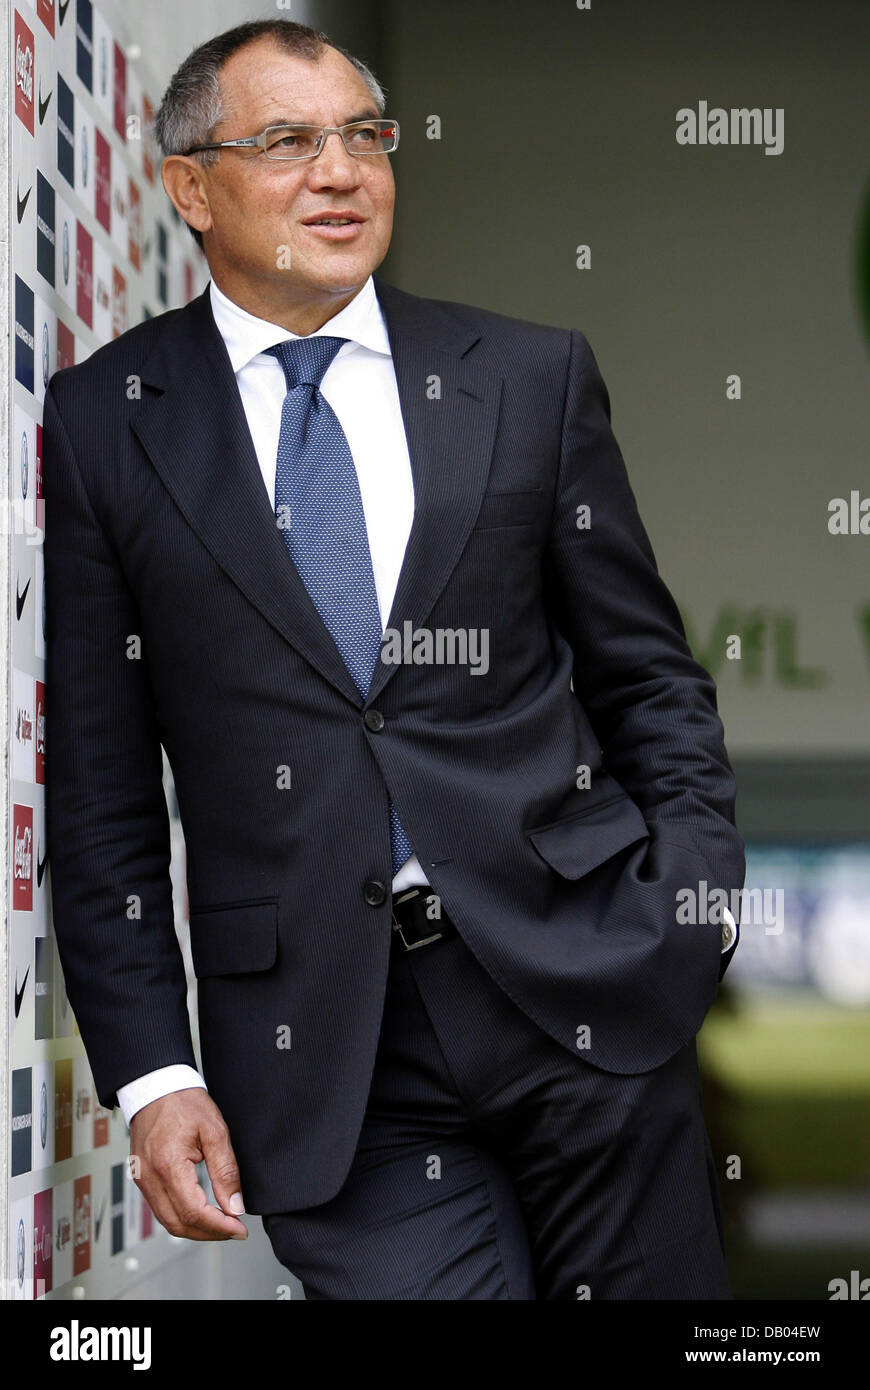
(45, 238)
(23, 73)
(21, 203)
(103, 160)
(84, 155)
(66, 124)
(84, 274)
(24, 334)
(65, 251)
(44, 103)
(85, 43)
(43, 990)
(22, 858)
(45, 11)
(22, 1120)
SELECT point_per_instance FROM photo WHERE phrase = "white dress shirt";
(360, 385)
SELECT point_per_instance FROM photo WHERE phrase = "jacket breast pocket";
(508, 509)
(234, 938)
(579, 843)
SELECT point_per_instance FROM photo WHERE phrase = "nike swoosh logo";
(19, 993)
(20, 599)
(98, 1220)
(44, 105)
(40, 867)
(63, 9)
(22, 202)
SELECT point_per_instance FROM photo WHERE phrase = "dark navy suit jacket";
(159, 527)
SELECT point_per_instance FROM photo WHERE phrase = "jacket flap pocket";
(234, 938)
(581, 842)
(508, 508)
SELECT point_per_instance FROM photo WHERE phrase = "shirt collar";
(361, 322)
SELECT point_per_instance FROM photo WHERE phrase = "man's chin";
(335, 280)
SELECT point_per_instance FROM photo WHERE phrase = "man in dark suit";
(369, 567)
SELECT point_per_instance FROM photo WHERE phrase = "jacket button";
(374, 720)
(375, 893)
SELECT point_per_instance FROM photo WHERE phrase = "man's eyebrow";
(368, 115)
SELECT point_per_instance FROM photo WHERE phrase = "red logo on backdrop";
(43, 1236)
(66, 346)
(120, 93)
(23, 727)
(45, 11)
(40, 731)
(148, 140)
(119, 202)
(134, 226)
(82, 1224)
(104, 181)
(85, 275)
(119, 303)
(188, 282)
(63, 1085)
(23, 73)
(101, 1124)
(102, 295)
(22, 857)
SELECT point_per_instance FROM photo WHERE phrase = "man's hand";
(169, 1136)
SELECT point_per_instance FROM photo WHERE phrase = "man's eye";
(291, 140)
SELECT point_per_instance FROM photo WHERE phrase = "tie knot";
(306, 359)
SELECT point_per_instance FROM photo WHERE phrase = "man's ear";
(184, 181)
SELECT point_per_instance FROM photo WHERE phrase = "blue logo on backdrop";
(44, 228)
(23, 334)
(85, 43)
(66, 124)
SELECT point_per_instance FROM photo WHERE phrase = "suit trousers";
(495, 1164)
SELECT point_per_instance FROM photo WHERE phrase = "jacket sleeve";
(652, 706)
(107, 822)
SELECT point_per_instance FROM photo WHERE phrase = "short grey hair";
(192, 108)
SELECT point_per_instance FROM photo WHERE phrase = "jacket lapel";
(450, 410)
(197, 437)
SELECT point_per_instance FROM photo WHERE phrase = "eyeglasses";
(306, 141)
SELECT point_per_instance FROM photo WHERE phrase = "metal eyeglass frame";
(261, 140)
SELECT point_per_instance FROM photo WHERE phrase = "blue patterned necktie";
(319, 510)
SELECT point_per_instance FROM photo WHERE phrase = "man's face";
(259, 206)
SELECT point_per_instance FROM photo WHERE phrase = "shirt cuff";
(154, 1084)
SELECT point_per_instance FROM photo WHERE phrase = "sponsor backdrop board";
(95, 247)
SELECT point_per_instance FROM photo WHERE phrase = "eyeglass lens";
(303, 142)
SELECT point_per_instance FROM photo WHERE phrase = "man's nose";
(334, 161)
